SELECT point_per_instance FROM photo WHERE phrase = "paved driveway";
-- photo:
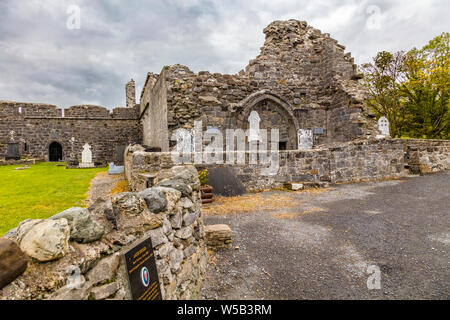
(329, 245)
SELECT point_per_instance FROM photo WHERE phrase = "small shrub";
(203, 177)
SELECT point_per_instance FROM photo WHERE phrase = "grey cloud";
(42, 61)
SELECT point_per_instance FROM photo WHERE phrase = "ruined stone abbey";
(303, 84)
(302, 79)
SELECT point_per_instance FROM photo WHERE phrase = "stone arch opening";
(55, 152)
(274, 112)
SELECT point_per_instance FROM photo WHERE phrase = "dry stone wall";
(425, 156)
(341, 162)
(77, 254)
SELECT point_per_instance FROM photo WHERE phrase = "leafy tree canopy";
(412, 89)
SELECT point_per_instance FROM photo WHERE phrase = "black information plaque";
(142, 274)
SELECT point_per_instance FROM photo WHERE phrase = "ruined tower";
(130, 90)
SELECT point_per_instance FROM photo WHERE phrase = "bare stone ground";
(321, 247)
(102, 186)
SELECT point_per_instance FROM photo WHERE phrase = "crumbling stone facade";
(302, 79)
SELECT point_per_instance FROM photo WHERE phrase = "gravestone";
(119, 155)
(86, 157)
(254, 120)
(253, 136)
(224, 182)
(383, 127)
(305, 139)
(184, 141)
(318, 131)
(113, 169)
(184, 146)
(12, 152)
(73, 161)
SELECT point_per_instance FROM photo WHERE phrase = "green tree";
(382, 79)
(427, 89)
(412, 90)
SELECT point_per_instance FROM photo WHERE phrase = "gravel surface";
(323, 248)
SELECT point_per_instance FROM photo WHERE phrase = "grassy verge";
(40, 191)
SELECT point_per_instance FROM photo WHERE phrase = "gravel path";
(322, 249)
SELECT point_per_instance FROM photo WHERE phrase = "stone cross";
(305, 139)
(72, 153)
(383, 126)
(86, 155)
(254, 120)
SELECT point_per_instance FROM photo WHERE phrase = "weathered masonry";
(77, 254)
(302, 79)
(342, 162)
(44, 131)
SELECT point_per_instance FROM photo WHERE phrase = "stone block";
(13, 262)
(47, 240)
(218, 235)
(105, 291)
(105, 269)
(294, 186)
(82, 228)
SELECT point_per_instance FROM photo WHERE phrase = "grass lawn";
(40, 192)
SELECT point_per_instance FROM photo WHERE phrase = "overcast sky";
(42, 60)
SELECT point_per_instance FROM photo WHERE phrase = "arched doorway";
(55, 152)
(274, 112)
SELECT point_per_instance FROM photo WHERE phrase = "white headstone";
(305, 139)
(184, 140)
(254, 120)
(86, 157)
(383, 126)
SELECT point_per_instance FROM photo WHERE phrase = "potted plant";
(205, 190)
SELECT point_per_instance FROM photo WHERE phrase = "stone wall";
(341, 162)
(77, 254)
(300, 73)
(36, 126)
(154, 112)
(425, 156)
(302, 79)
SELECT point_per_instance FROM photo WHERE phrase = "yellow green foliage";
(203, 177)
(412, 89)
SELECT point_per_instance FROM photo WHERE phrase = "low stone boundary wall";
(425, 156)
(344, 162)
(19, 162)
(77, 254)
